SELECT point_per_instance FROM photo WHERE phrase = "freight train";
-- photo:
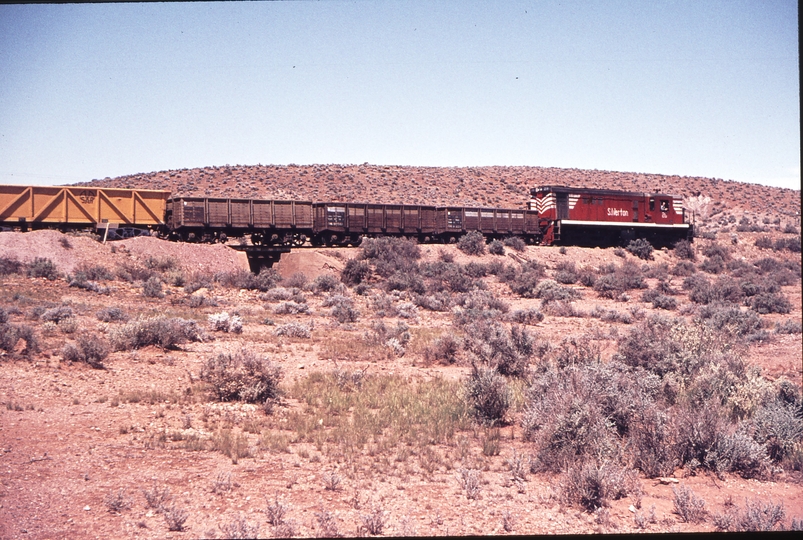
(555, 215)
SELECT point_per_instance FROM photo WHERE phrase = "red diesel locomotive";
(595, 217)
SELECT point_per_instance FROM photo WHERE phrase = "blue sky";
(695, 88)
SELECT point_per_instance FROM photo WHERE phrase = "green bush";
(242, 376)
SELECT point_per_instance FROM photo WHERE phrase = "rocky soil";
(87, 452)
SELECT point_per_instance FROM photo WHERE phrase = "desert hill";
(469, 186)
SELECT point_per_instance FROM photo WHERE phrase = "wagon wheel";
(256, 239)
(298, 239)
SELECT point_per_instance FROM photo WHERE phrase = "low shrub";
(778, 426)
(549, 290)
(529, 316)
(764, 242)
(516, 243)
(684, 250)
(489, 395)
(93, 286)
(42, 267)
(291, 308)
(587, 278)
(662, 301)
(443, 350)
(592, 486)
(266, 279)
(524, 283)
(770, 303)
(472, 243)
(293, 329)
(491, 344)
(10, 265)
(651, 442)
(112, 314)
(713, 265)
(641, 248)
(440, 301)
(611, 315)
(57, 314)
(10, 335)
(739, 453)
(132, 272)
(278, 294)
(683, 268)
(223, 322)
(688, 506)
(717, 250)
(496, 248)
(89, 349)
(242, 376)
(166, 333)
(730, 319)
(788, 326)
(355, 272)
(92, 272)
(297, 280)
(153, 288)
(759, 516)
(789, 244)
(325, 283)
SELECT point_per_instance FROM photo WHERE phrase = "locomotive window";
(664, 206)
(652, 205)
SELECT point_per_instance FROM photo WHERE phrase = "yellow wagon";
(72, 207)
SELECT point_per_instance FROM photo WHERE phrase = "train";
(553, 215)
